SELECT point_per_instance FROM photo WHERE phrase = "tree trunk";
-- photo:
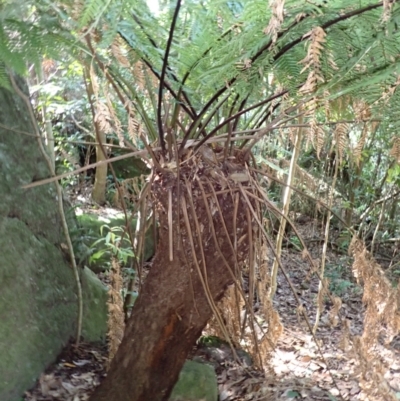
(172, 307)
(100, 180)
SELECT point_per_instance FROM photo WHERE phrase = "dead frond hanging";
(274, 25)
(119, 52)
(341, 140)
(103, 117)
(387, 9)
(274, 325)
(381, 321)
(395, 151)
(358, 148)
(312, 61)
(135, 130)
(317, 134)
(230, 308)
(116, 325)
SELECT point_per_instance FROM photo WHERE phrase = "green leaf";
(97, 255)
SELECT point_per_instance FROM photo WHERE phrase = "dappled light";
(200, 200)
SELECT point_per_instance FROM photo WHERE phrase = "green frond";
(93, 11)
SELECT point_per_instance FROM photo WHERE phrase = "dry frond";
(371, 375)
(342, 103)
(77, 8)
(362, 110)
(230, 308)
(49, 66)
(334, 312)
(382, 319)
(357, 149)
(387, 9)
(134, 128)
(116, 325)
(341, 140)
(277, 8)
(327, 105)
(274, 325)
(274, 331)
(381, 299)
(312, 61)
(316, 135)
(395, 151)
(103, 117)
(292, 135)
(389, 92)
(321, 294)
(119, 53)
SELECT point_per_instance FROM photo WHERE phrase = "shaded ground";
(299, 369)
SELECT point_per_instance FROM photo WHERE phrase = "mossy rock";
(95, 311)
(197, 382)
(38, 291)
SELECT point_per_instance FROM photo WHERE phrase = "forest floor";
(303, 366)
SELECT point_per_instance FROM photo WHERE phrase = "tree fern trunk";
(173, 306)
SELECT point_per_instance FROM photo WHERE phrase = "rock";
(37, 306)
(95, 312)
(38, 301)
(197, 382)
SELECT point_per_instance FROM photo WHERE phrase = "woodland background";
(234, 133)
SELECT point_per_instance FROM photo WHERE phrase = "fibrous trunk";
(203, 242)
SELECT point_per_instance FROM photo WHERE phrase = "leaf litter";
(296, 371)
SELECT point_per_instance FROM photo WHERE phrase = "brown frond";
(341, 140)
(318, 136)
(274, 325)
(395, 151)
(116, 325)
(230, 308)
(327, 105)
(119, 52)
(103, 117)
(357, 149)
(77, 8)
(274, 25)
(381, 320)
(334, 312)
(387, 10)
(312, 61)
(135, 129)
(138, 70)
(362, 110)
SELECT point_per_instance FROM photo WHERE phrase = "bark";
(100, 181)
(172, 307)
